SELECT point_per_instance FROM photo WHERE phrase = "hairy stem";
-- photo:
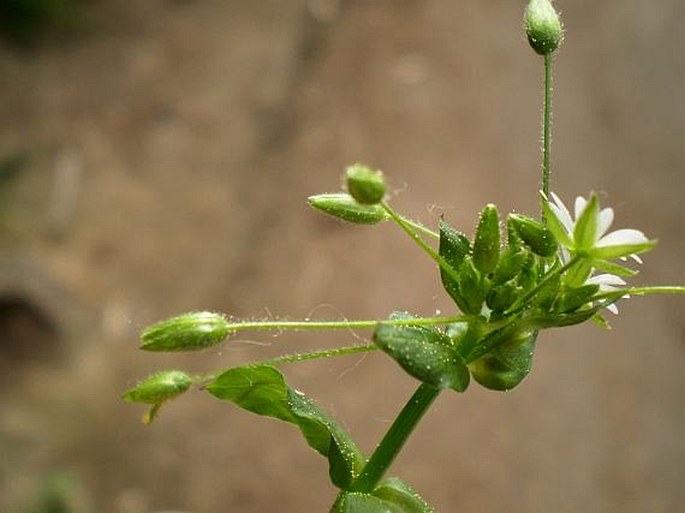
(547, 128)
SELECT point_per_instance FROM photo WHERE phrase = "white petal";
(606, 217)
(606, 279)
(613, 309)
(636, 258)
(580, 205)
(620, 237)
(562, 213)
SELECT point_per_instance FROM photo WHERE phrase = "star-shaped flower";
(586, 236)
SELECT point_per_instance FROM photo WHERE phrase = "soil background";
(159, 160)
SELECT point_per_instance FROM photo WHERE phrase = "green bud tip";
(189, 332)
(365, 185)
(543, 26)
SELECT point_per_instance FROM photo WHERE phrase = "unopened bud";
(543, 26)
(188, 332)
(487, 239)
(345, 207)
(539, 239)
(159, 387)
(365, 185)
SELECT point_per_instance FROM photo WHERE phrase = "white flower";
(608, 283)
(587, 236)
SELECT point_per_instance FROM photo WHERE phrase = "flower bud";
(189, 332)
(159, 387)
(365, 185)
(487, 239)
(506, 366)
(543, 26)
(345, 207)
(539, 239)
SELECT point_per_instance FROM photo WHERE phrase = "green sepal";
(614, 268)
(622, 250)
(424, 353)
(539, 239)
(262, 389)
(510, 264)
(454, 247)
(573, 298)
(507, 365)
(555, 225)
(553, 320)
(193, 331)
(548, 292)
(600, 321)
(578, 274)
(501, 297)
(471, 287)
(391, 496)
(587, 226)
(345, 207)
(487, 240)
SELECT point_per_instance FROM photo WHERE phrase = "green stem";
(409, 230)
(333, 325)
(546, 128)
(641, 291)
(394, 439)
(294, 358)
(420, 227)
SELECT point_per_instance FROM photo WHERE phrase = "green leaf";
(424, 353)
(487, 240)
(357, 502)
(585, 231)
(613, 268)
(454, 247)
(398, 492)
(392, 496)
(507, 365)
(345, 207)
(262, 389)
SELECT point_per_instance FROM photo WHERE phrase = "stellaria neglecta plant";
(549, 272)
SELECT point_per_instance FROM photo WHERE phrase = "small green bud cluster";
(543, 26)
(362, 204)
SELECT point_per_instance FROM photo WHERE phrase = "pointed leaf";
(424, 353)
(573, 298)
(471, 287)
(263, 390)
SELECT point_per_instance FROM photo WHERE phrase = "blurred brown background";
(156, 157)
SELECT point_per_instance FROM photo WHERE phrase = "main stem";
(394, 439)
(547, 127)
